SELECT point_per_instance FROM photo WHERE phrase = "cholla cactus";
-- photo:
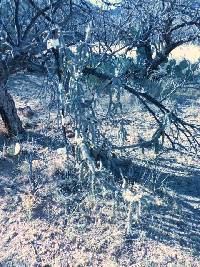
(88, 32)
(134, 208)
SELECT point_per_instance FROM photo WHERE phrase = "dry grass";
(62, 224)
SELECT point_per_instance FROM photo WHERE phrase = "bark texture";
(8, 110)
(8, 113)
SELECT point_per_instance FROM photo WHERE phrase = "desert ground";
(63, 224)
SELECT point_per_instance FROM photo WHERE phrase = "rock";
(13, 150)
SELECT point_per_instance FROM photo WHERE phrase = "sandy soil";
(63, 224)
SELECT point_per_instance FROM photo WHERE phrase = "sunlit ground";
(101, 4)
(189, 52)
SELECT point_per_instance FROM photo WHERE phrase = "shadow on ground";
(176, 221)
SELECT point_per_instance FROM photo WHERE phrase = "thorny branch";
(183, 127)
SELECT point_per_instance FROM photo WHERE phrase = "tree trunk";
(8, 110)
(8, 113)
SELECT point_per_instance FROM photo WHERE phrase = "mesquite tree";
(153, 30)
(24, 27)
(154, 27)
